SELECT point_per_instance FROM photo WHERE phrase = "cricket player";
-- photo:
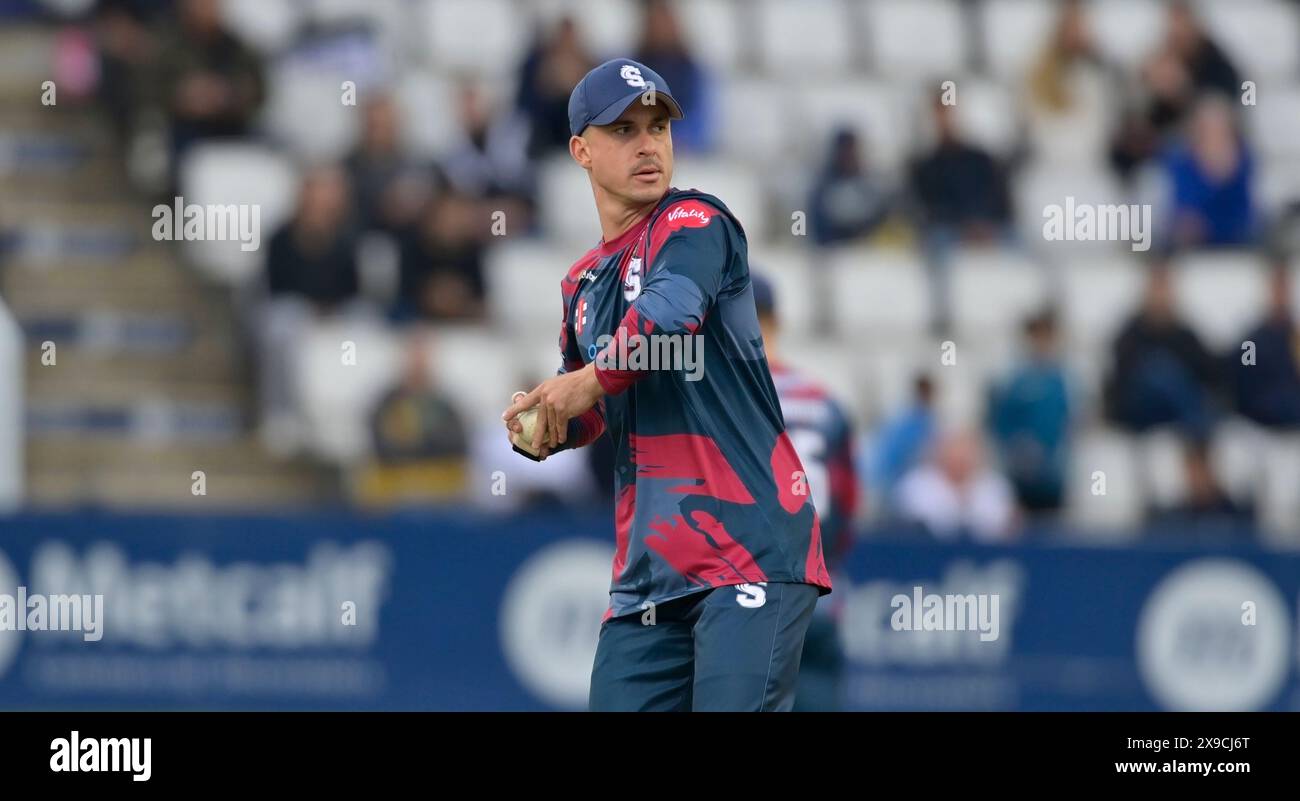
(822, 434)
(718, 560)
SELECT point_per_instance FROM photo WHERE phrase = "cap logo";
(632, 75)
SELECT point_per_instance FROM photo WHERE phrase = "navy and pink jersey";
(822, 435)
(708, 489)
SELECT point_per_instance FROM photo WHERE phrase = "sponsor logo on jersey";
(690, 214)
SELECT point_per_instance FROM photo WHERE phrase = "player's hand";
(515, 431)
(558, 399)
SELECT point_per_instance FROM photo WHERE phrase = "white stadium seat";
(1098, 295)
(1127, 31)
(1161, 456)
(1117, 512)
(389, 19)
(609, 28)
(1039, 187)
(712, 29)
(962, 382)
(305, 112)
(523, 278)
(473, 367)
(878, 293)
(1222, 295)
(269, 27)
(1280, 508)
(753, 119)
(485, 36)
(1277, 184)
(877, 111)
(790, 271)
(1259, 36)
(1015, 33)
(222, 174)
(986, 114)
(992, 291)
(1295, 284)
(785, 30)
(838, 367)
(917, 38)
(428, 122)
(567, 207)
(1235, 456)
(338, 398)
(889, 367)
(1272, 122)
(735, 184)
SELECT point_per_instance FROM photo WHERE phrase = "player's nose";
(646, 145)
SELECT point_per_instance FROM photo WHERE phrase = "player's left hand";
(558, 399)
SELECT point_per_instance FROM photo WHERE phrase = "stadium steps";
(107, 472)
(150, 380)
(40, 143)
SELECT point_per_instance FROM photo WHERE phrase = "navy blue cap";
(764, 296)
(606, 92)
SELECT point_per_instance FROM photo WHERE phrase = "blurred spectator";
(311, 270)
(1210, 178)
(663, 50)
(442, 262)
(1203, 64)
(1207, 509)
(1030, 415)
(390, 186)
(961, 189)
(957, 495)
(903, 440)
(413, 421)
(1162, 374)
(962, 197)
(127, 45)
(313, 255)
(546, 77)
(209, 82)
(1069, 93)
(848, 200)
(490, 161)
(1268, 390)
(420, 441)
(1187, 65)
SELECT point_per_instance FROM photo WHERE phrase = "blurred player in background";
(718, 563)
(822, 435)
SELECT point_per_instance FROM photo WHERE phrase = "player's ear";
(578, 150)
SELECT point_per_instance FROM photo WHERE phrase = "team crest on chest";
(632, 281)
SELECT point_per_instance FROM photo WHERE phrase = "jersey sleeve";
(688, 272)
(589, 425)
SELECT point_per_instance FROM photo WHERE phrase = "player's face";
(632, 157)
